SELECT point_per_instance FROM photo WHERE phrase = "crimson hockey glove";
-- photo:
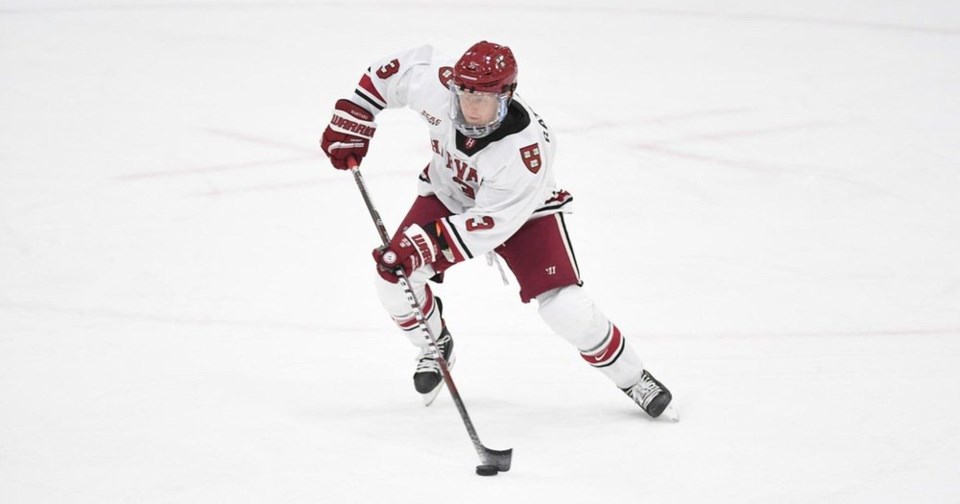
(348, 134)
(409, 250)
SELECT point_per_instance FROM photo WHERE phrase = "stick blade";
(499, 458)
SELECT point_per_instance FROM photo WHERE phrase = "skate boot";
(652, 396)
(427, 379)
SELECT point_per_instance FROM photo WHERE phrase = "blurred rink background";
(767, 203)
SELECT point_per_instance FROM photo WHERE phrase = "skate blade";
(671, 414)
(429, 397)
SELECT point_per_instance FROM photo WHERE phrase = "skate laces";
(427, 360)
(645, 390)
(428, 364)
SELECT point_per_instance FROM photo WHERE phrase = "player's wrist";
(359, 103)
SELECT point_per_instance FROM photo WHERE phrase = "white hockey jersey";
(494, 184)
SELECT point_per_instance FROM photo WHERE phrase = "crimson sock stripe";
(609, 353)
(427, 302)
(408, 324)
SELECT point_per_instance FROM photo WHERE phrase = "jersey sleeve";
(505, 201)
(387, 82)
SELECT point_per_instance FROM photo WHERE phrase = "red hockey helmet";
(486, 67)
(486, 73)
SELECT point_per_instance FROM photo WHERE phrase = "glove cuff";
(423, 242)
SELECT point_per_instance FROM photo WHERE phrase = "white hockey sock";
(394, 300)
(575, 317)
(615, 359)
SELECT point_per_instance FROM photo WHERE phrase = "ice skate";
(653, 397)
(427, 379)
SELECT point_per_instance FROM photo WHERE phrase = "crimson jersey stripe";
(459, 249)
(555, 206)
(366, 85)
(368, 99)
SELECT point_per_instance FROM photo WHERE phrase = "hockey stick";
(497, 458)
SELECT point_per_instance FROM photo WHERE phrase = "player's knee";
(571, 313)
(391, 295)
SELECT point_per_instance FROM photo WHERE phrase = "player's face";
(478, 108)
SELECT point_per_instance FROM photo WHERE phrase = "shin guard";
(575, 317)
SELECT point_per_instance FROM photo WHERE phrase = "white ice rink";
(767, 204)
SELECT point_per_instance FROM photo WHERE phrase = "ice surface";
(768, 205)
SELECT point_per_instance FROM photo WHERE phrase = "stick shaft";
(486, 455)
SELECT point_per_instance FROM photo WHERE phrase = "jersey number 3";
(389, 69)
(479, 223)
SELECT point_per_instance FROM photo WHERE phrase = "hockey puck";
(487, 470)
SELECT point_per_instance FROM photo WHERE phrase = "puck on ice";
(487, 470)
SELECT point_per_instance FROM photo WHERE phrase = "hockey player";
(489, 187)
